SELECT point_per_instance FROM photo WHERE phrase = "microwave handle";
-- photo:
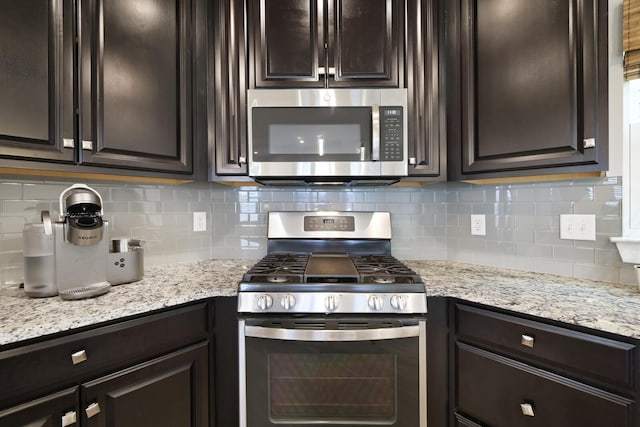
(332, 335)
(375, 132)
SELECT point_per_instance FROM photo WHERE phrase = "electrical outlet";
(478, 226)
(199, 221)
(578, 227)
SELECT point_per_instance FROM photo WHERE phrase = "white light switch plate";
(578, 227)
(199, 221)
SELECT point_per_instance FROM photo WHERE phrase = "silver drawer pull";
(92, 410)
(527, 340)
(527, 409)
(69, 418)
(79, 357)
(589, 143)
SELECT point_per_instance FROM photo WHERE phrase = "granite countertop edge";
(603, 306)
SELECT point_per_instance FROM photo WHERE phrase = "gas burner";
(383, 280)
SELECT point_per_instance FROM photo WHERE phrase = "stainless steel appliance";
(327, 135)
(81, 244)
(126, 261)
(332, 328)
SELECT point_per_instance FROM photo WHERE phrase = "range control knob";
(265, 302)
(375, 303)
(287, 302)
(398, 302)
(331, 302)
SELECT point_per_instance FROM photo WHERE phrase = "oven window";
(332, 386)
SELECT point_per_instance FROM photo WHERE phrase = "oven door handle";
(332, 335)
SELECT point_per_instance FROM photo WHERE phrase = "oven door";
(333, 372)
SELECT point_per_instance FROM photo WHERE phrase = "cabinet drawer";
(39, 368)
(492, 388)
(573, 351)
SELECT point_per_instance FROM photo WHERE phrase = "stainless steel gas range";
(332, 327)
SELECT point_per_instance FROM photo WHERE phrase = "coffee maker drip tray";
(88, 291)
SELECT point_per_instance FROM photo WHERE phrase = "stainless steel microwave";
(324, 135)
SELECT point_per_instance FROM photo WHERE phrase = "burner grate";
(278, 268)
(383, 269)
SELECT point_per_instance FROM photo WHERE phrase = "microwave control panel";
(391, 132)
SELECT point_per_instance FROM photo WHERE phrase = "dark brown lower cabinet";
(512, 370)
(499, 391)
(169, 391)
(48, 411)
(152, 370)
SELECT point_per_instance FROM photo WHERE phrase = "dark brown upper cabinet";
(326, 43)
(36, 80)
(135, 78)
(425, 90)
(227, 64)
(115, 86)
(527, 87)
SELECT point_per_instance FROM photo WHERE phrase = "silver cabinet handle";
(92, 410)
(331, 335)
(589, 143)
(87, 145)
(242, 160)
(527, 409)
(69, 418)
(527, 340)
(331, 71)
(68, 143)
(79, 357)
(413, 161)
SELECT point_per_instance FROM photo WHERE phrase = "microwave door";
(314, 141)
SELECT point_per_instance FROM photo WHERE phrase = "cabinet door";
(230, 88)
(528, 85)
(136, 84)
(286, 42)
(169, 391)
(427, 144)
(36, 79)
(365, 42)
(318, 43)
(55, 410)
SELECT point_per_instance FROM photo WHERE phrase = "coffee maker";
(81, 244)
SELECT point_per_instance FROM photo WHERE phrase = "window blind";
(631, 39)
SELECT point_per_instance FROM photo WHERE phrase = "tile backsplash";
(430, 222)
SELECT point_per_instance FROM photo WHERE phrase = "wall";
(431, 222)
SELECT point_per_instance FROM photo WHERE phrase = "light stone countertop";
(604, 306)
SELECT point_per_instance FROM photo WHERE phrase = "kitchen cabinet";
(425, 90)
(328, 43)
(36, 80)
(526, 87)
(139, 88)
(57, 409)
(228, 118)
(540, 374)
(225, 366)
(128, 373)
(170, 391)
